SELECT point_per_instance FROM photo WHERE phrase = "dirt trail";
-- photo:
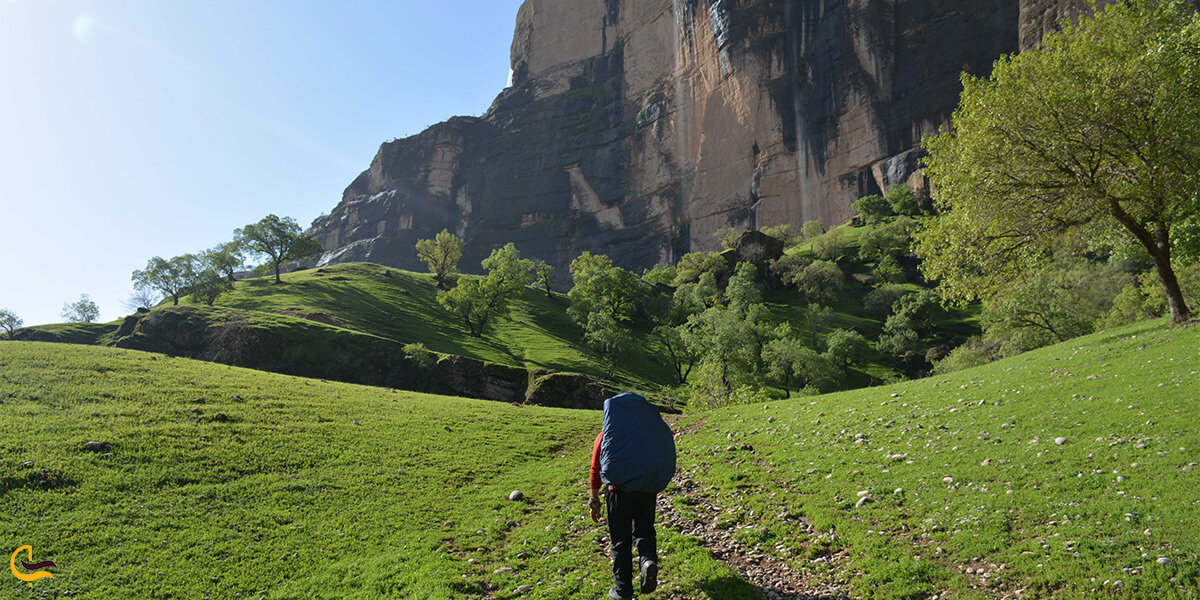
(774, 578)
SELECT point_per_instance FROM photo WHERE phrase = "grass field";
(230, 483)
(1067, 472)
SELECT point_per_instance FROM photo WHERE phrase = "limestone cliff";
(637, 129)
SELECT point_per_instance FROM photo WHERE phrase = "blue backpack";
(637, 449)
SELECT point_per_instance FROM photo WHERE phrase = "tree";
(819, 280)
(442, 254)
(872, 209)
(10, 321)
(846, 347)
(171, 278)
(226, 259)
(902, 200)
(729, 237)
(479, 300)
(1092, 136)
(542, 272)
(142, 298)
(831, 245)
(279, 240)
(208, 286)
(602, 302)
(811, 229)
(81, 311)
(1060, 302)
(724, 339)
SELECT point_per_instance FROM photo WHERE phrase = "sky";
(136, 128)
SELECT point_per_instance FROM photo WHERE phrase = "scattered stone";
(1060, 440)
(947, 480)
(27, 464)
(522, 589)
(986, 462)
(448, 524)
(864, 493)
(1162, 560)
(863, 501)
(97, 446)
(899, 492)
(502, 570)
(516, 496)
(555, 550)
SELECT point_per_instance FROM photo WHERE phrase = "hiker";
(633, 459)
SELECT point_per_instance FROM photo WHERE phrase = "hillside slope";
(1066, 472)
(208, 480)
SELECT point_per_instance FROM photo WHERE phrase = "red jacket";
(596, 482)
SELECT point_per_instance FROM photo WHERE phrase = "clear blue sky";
(132, 128)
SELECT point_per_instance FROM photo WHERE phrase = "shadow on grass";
(37, 480)
(732, 587)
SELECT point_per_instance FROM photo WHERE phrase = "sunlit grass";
(1052, 520)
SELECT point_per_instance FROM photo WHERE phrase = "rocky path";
(772, 576)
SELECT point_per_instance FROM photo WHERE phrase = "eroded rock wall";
(638, 129)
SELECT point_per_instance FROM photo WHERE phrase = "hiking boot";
(649, 576)
(613, 594)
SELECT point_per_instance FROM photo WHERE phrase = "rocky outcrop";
(638, 129)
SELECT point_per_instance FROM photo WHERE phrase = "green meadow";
(227, 482)
(220, 482)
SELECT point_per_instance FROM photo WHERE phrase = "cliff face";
(637, 129)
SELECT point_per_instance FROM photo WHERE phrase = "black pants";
(630, 523)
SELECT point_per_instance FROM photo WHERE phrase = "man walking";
(633, 459)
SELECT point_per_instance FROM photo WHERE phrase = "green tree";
(831, 245)
(723, 338)
(543, 272)
(782, 233)
(683, 357)
(819, 281)
(1093, 135)
(729, 237)
(81, 311)
(902, 200)
(872, 209)
(226, 259)
(442, 254)
(1060, 302)
(171, 278)
(479, 300)
(846, 347)
(695, 264)
(603, 299)
(811, 229)
(208, 285)
(742, 291)
(10, 321)
(279, 240)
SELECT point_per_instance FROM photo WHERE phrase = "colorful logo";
(29, 577)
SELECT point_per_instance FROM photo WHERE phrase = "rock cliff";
(638, 129)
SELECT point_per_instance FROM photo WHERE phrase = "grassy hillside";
(213, 481)
(402, 306)
(1067, 472)
(228, 481)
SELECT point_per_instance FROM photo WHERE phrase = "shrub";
(872, 209)
(419, 354)
(831, 245)
(975, 352)
(902, 200)
(811, 229)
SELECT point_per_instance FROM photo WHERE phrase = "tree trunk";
(277, 279)
(1161, 253)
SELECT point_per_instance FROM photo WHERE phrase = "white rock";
(516, 495)
(947, 480)
(1162, 560)
(1060, 441)
(864, 493)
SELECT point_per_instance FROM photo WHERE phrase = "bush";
(811, 229)
(419, 354)
(831, 245)
(902, 200)
(872, 209)
(879, 301)
(975, 352)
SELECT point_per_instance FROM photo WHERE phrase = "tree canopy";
(442, 254)
(171, 277)
(1090, 140)
(278, 239)
(10, 321)
(83, 310)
